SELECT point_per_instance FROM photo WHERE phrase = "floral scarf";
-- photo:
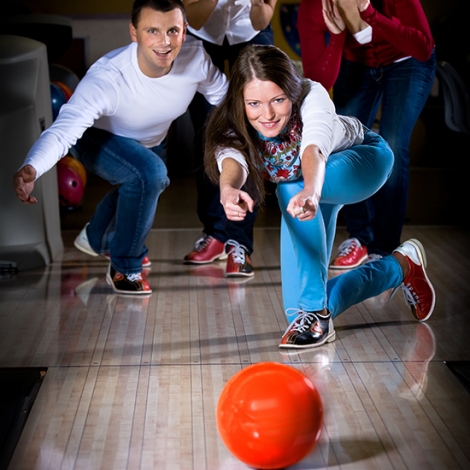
(281, 154)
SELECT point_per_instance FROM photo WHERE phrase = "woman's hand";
(363, 4)
(333, 20)
(304, 205)
(236, 203)
(352, 5)
(349, 11)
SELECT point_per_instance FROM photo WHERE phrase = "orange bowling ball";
(269, 415)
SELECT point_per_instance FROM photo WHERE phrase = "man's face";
(159, 37)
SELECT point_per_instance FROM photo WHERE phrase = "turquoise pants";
(352, 175)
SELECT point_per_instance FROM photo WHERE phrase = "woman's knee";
(386, 160)
(381, 152)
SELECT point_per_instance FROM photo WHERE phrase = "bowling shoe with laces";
(81, 243)
(130, 284)
(309, 330)
(417, 288)
(206, 250)
(238, 261)
(351, 255)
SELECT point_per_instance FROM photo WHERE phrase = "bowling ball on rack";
(57, 100)
(72, 162)
(70, 187)
(65, 89)
(62, 74)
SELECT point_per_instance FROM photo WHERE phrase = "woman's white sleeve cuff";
(364, 36)
(222, 154)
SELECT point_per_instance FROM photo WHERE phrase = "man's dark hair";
(158, 5)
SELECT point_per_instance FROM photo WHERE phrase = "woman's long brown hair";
(228, 126)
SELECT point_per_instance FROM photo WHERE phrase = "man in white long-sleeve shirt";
(116, 121)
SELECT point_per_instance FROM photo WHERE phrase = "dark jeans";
(402, 90)
(209, 209)
(124, 217)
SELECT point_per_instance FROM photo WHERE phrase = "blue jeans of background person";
(210, 212)
(402, 89)
(351, 175)
(124, 217)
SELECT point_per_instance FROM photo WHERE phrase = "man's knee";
(154, 178)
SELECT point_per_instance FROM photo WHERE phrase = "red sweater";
(401, 30)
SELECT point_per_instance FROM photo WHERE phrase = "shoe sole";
(239, 274)
(328, 339)
(83, 249)
(238, 280)
(422, 259)
(125, 292)
(216, 258)
(420, 250)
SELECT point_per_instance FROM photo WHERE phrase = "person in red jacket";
(374, 55)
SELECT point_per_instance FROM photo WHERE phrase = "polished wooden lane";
(133, 383)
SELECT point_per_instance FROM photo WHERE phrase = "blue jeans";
(210, 212)
(402, 90)
(352, 175)
(124, 217)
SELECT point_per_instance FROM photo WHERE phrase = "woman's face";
(267, 107)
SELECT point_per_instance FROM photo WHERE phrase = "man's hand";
(23, 183)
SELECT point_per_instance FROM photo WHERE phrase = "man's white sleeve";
(215, 85)
(89, 101)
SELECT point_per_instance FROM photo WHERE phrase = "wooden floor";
(133, 383)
